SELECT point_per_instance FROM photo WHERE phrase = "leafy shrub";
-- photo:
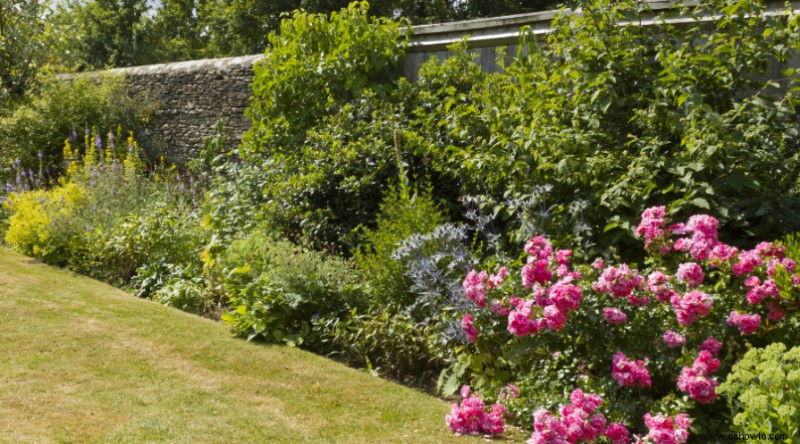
(325, 120)
(315, 65)
(435, 263)
(276, 289)
(60, 107)
(388, 344)
(184, 294)
(618, 117)
(161, 232)
(108, 218)
(92, 194)
(401, 215)
(40, 222)
(627, 117)
(763, 391)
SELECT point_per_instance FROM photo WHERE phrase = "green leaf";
(701, 203)
(610, 226)
(452, 385)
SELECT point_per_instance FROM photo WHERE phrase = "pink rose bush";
(746, 323)
(696, 380)
(691, 273)
(559, 316)
(471, 417)
(673, 340)
(628, 372)
(667, 430)
(469, 329)
(475, 287)
(614, 315)
(691, 306)
(576, 423)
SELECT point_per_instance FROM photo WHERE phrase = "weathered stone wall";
(191, 97)
(194, 95)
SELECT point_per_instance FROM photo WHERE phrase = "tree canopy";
(126, 32)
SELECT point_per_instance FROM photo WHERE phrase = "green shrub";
(612, 118)
(315, 65)
(59, 107)
(184, 294)
(108, 217)
(400, 216)
(763, 391)
(276, 289)
(61, 224)
(325, 120)
(388, 344)
(626, 117)
(41, 222)
(166, 232)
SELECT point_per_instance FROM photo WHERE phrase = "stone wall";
(191, 97)
(194, 95)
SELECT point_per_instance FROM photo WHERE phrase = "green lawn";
(81, 361)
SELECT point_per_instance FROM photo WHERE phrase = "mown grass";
(81, 361)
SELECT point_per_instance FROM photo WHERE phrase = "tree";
(177, 31)
(239, 27)
(472, 9)
(21, 47)
(112, 32)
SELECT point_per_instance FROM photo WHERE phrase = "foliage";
(242, 27)
(235, 200)
(391, 345)
(111, 32)
(30, 43)
(178, 30)
(187, 295)
(60, 108)
(63, 213)
(34, 216)
(607, 119)
(625, 117)
(573, 139)
(275, 288)
(321, 125)
(163, 232)
(472, 9)
(108, 219)
(762, 391)
(435, 263)
(101, 33)
(315, 66)
(401, 215)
